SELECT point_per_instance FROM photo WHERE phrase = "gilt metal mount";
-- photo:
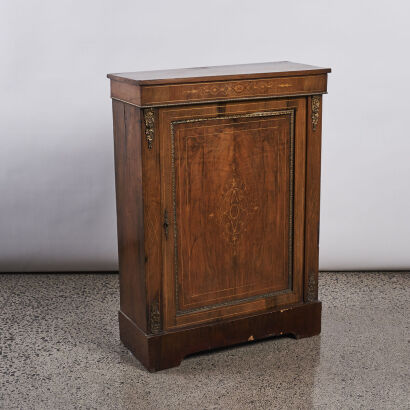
(155, 317)
(149, 126)
(315, 111)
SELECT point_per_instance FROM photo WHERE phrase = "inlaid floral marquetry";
(236, 210)
(189, 93)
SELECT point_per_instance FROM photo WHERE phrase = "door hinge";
(166, 224)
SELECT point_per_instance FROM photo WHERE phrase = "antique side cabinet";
(217, 181)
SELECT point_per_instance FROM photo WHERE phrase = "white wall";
(57, 204)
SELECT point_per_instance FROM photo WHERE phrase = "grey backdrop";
(57, 204)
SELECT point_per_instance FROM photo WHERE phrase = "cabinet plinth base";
(165, 350)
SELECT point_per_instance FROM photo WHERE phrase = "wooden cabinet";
(218, 183)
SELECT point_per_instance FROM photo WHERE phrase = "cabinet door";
(232, 186)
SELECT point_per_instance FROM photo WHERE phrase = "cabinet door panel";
(233, 183)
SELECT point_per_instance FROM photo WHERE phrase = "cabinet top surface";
(226, 72)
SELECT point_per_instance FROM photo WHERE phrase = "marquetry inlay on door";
(232, 175)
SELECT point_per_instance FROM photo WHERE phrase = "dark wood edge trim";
(165, 350)
(216, 78)
(269, 97)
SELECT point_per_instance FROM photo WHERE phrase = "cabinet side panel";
(130, 224)
(312, 210)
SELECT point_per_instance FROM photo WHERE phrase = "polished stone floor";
(60, 349)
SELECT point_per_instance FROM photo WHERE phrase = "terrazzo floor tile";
(389, 290)
(381, 289)
(60, 349)
(8, 282)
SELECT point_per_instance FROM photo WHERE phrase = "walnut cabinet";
(217, 183)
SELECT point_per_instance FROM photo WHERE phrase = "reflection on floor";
(60, 349)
